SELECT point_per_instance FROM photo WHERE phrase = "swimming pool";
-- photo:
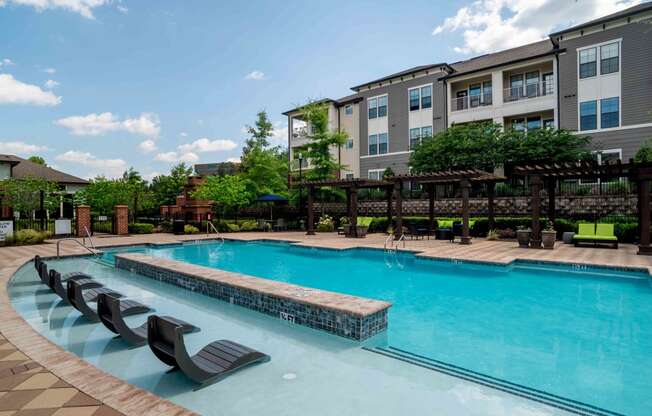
(583, 334)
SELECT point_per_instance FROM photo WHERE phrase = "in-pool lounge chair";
(109, 309)
(80, 299)
(596, 234)
(213, 363)
(57, 282)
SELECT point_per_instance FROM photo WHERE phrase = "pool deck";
(39, 378)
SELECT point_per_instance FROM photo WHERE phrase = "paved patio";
(38, 378)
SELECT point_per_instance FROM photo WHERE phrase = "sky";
(98, 86)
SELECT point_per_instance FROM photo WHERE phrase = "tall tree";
(135, 186)
(226, 192)
(320, 141)
(37, 159)
(166, 188)
(24, 195)
(260, 132)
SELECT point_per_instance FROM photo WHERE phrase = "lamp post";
(300, 187)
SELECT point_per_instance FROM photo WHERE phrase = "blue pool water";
(584, 334)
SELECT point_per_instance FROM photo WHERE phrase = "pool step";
(549, 399)
(104, 262)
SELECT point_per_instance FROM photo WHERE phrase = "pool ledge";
(344, 315)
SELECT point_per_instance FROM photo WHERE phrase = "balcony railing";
(473, 101)
(305, 164)
(525, 92)
(299, 133)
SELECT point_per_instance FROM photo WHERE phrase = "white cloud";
(255, 76)
(188, 157)
(122, 9)
(50, 84)
(151, 175)
(13, 91)
(207, 145)
(108, 167)
(279, 134)
(6, 62)
(50, 71)
(148, 146)
(491, 25)
(83, 7)
(147, 124)
(20, 148)
(183, 134)
(233, 160)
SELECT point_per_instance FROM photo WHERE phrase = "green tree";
(103, 194)
(644, 154)
(463, 146)
(37, 159)
(266, 171)
(226, 192)
(136, 188)
(547, 144)
(320, 141)
(166, 188)
(24, 195)
(260, 132)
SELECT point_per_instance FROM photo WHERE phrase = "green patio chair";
(596, 234)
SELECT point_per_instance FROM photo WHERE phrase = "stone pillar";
(121, 220)
(466, 188)
(83, 221)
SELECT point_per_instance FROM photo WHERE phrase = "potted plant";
(548, 236)
(523, 236)
(362, 226)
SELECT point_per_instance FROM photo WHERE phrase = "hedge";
(141, 228)
(27, 237)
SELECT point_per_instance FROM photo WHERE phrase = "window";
(426, 132)
(588, 64)
(609, 156)
(415, 137)
(348, 110)
(487, 93)
(532, 84)
(609, 113)
(414, 99)
(588, 115)
(516, 86)
(426, 97)
(349, 144)
(382, 106)
(383, 143)
(373, 108)
(348, 176)
(518, 124)
(373, 144)
(549, 123)
(475, 92)
(548, 86)
(609, 58)
(376, 174)
(533, 123)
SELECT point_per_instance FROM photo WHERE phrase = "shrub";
(249, 226)
(626, 232)
(378, 225)
(325, 224)
(27, 237)
(232, 227)
(141, 228)
(190, 229)
(365, 221)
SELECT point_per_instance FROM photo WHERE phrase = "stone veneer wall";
(565, 206)
(294, 305)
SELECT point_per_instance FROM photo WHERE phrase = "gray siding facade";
(398, 121)
(636, 87)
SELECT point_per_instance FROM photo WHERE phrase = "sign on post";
(6, 229)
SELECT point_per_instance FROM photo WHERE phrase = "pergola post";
(466, 187)
(491, 189)
(398, 195)
(431, 207)
(551, 200)
(644, 217)
(389, 192)
(311, 212)
(535, 236)
(353, 219)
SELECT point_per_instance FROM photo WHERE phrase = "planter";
(548, 239)
(523, 237)
(361, 231)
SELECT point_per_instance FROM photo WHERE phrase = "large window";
(609, 113)
(609, 58)
(475, 92)
(588, 115)
(548, 86)
(383, 143)
(376, 174)
(426, 97)
(516, 86)
(373, 108)
(414, 99)
(532, 84)
(487, 90)
(518, 124)
(533, 123)
(588, 65)
(348, 110)
(382, 106)
(415, 137)
(373, 144)
(349, 144)
(426, 132)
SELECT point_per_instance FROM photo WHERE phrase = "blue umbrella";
(271, 198)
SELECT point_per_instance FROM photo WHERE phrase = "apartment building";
(594, 79)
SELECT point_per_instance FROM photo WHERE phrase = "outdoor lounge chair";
(280, 225)
(596, 234)
(57, 281)
(212, 363)
(109, 309)
(79, 300)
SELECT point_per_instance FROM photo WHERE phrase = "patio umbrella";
(274, 199)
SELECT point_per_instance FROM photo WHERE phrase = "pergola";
(641, 173)
(394, 187)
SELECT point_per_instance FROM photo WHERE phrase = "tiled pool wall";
(356, 326)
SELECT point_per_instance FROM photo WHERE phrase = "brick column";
(121, 219)
(83, 221)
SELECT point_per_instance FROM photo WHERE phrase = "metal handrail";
(211, 225)
(95, 253)
(401, 238)
(88, 233)
(387, 240)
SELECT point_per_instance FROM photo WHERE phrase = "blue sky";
(96, 86)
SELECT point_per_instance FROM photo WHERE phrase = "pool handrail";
(92, 251)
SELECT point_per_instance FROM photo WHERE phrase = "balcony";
(473, 101)
(528, 91)
(305, 164)
(300, 133)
